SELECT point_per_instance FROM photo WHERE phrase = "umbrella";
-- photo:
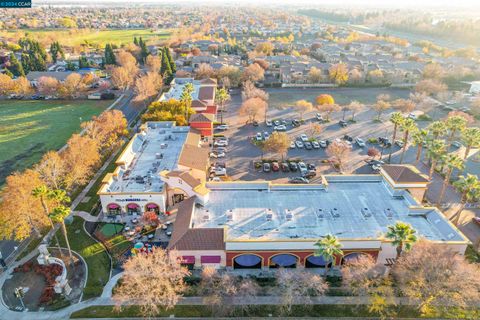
(138, 245)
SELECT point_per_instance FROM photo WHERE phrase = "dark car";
(295, 123)
(284, 167)
(298, 180)
(266, 167)
(293, 166)
(343, 123)
(328, 141)
(308, 145)
(255, 123)
(311, 166)
(275, 166)
(348, 138)
(310, 174)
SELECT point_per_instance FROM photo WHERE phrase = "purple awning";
(284, 260)
(132, 206)
(113, 206)
(152, 206)
(210, 259)
(318, 261)
(248, 260)
(188, 259)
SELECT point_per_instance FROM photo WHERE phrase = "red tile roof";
(404, 174)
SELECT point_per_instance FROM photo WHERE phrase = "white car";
(315, 145)
(266, 135)
(220, 171)
(280, 128)
(299, 144)
(322, 143)
(319, 117)
(412, 116)
(222, 127)
(303, 137)
(269, 123)
(360, 142)
(303, 167)
(259, 136)
(292, 145)
(399, 143)
(220, 143)
(217, 154)
(216, 179)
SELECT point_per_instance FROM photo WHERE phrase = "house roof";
(201, 117)
(404, 174)
(199, 104)
(206, 93)
(186, 238)
(194, 157)
(59, 75)
(193, 137)
(185, 176)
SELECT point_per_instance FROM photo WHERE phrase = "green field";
(76, 37)
(30, 128)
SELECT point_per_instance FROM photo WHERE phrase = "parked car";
(275, 166)
(216, 179)
(310, 174)
(299, 144)
(343, 123)
(456, 144)
(217, 154)
(412, 116)
(322, 143)
(319, 117)
(347, 138)
(303, 137)
(311, 166)
(220, 143)
(376, 167)
(266, 167)
(219, 171)
(293, 166)
(476, 220)
(284, 122)
(298, 180)
(259, 136)
(221, 149)
(315, 145)
(303, 167)
(255, 123)
(308, 145)
(292, 145)
(284, 167)
(280, 128)
(399, 143)
(269, 123)
(266, 135)
(296, 123)
(277, 122)
(222, 127)
(360, 142)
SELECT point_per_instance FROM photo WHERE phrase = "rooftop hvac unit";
(206, 216)
(320, 213)
(366, 212)
(289, 215)
(389, 213)
(269, 215)
(230, 215)
(335, 213)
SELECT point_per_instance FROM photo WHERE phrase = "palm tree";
(438, 129)
(419, 137)
(471, 139)
(58, 215)
(452, 161)
(397, 119)
(221, 97)
(469, 187)
(354, 107)
(402, 235)
(455, 124)
(329, 248)
(186, 97)
(42, 192)
(406, 126)
(435, 151)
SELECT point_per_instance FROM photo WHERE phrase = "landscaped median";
(94, 254)
(324, 310)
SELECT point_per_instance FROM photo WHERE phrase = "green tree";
(135, 41)
(402, 235)
(173, 66)
(186, 97)
(469, 187)
(407, 126)
(455, 124)
(452, 161)
(109, 55)
(471, 139)
(56, 51)
(143, 49)
(34, 55)
(328, 247)
(58, 215)
(435, 151)
(221, 97)
(15, 67)
(437, 129)
(397, 119)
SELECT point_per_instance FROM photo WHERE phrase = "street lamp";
(19, 293)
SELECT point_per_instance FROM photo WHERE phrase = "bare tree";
(296, 286)
(204, 71)
(127, 60)
(153, 281)
(436, 278)
(48, 86)
(121, 78)
(71, 86)
(252, 108)
(314, 128)
(253, 72)
(153, 63)
(278, 142)
(302, 107)
(250, 91)
(147, 86)
(338, 151)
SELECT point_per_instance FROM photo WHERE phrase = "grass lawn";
(94, 254)
(100, 37)
(334, 311)
(30, 128)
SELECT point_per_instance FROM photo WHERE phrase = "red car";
(275, 166)
(476, 220)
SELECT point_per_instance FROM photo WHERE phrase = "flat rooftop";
(349, 208)
(177, 86)
(155, 149)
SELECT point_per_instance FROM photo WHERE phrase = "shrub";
(107, 96)
(373, 140)
(424, 117)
